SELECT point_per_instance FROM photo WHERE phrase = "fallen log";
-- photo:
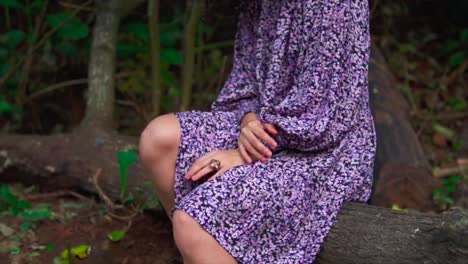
(364, 234)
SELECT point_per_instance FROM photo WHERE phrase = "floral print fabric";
(301, 65)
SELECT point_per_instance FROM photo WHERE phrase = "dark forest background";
(174, 56)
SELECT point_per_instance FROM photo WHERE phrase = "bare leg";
(195, 244)
(158, 148)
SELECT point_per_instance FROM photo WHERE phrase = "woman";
(262, 176)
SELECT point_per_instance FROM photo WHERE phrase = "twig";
(443, 172)
(124, 217)
(449, 116)
(74, 6)
(65, 84)
(457, 72)
(101, 193)
(46, 36)
(59, 194)
(30, 53)
(111, 206)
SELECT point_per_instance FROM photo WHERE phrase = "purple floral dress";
(301, 65)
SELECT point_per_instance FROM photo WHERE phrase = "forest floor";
(54, 226)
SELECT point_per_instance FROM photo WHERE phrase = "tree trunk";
(364, 234)
(402, 173)
(100, 97)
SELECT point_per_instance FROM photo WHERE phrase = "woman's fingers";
(201, 173)
(198, 165)
(244, 153)
(251, 149)
(260, 133)
(271, 128)
(257, 144)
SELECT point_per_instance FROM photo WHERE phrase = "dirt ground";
(75, 222)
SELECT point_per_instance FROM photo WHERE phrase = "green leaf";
(13, 38)
(37, 4)
(456, 145)
(139, 30)
(59, 260)
(445, 131)
(125, 159)
(116, 235)
(437, 191)
(448, 200)
(81, 252)
(15, 250)
(11, 3)
(457, 58)
(171, 56)
(460, 105)
(129, 198)
(68, 48)
(49, 246)
(5, 106)
(455, 178)
(25, 226)
(169, 38)
(3, 52)
(6, 195)
(129, 49)
(74, 28)
(398, 208)
(450, 187)
(451, 46)
(464, 35)
(407, 48)
(41, 211)
(445, 181)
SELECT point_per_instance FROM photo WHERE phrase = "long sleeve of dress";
(328, 94)
(239, 93)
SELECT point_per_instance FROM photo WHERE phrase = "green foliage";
(443, 196)
(116, 235)
(73, 28)
(10, 202)
(19, 37)
(125, 159)
(41, 211)
(12, 39)
(457, 104)
(457, 49)
(67, 255)
(11, 3)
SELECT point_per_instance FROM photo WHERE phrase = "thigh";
(202, 132)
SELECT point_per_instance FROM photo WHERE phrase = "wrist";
(249, 116)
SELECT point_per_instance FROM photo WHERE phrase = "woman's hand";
(252, 130)
(201, 167)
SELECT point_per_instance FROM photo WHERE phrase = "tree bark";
(364, 234)
(402, 172)
(153, 15)
(101, 96)
(195, 8)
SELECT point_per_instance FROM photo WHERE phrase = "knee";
(160, 136)
(185, 235)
